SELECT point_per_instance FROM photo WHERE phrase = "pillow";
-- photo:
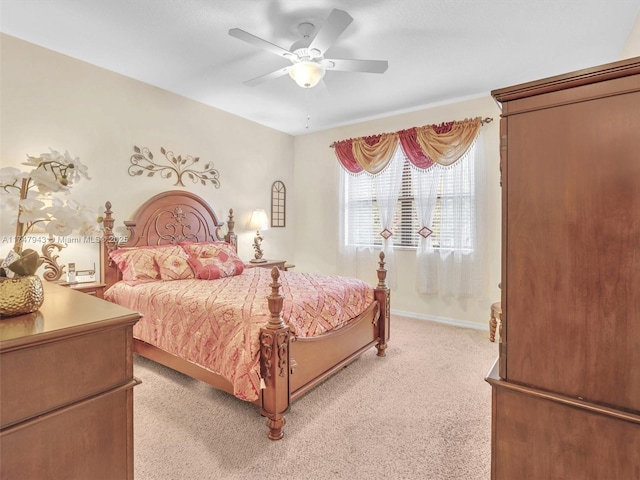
(174, 264)
(136, 264)
(208, 249)
(143, 264)
(213, 260)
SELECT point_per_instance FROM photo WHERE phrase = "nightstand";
(281, 264)
(95, 289)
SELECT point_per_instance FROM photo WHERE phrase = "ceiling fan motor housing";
(307, 54)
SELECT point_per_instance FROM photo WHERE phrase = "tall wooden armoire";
(566, 385)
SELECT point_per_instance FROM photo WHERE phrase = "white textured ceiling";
(438, 51)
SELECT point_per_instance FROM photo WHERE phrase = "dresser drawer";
(41, 377)
(87, 440)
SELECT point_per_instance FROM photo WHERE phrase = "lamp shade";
(259, 220)
(306, 74)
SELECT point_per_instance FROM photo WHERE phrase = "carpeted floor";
(422, 412)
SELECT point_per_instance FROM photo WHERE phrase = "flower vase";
(20, 295)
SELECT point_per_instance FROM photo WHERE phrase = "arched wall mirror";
(278, 204)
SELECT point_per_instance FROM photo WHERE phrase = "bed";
(281, 333)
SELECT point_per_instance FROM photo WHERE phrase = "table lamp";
(258, 221)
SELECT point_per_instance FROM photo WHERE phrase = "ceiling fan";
(308, 64)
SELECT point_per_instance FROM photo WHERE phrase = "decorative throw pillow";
(136, 264)
(174, 264)
(150, 263)
(207, 249)
(213, 260)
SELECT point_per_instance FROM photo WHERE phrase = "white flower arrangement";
(32, 196)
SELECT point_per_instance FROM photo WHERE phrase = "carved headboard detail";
(170, 225)
(167, 218)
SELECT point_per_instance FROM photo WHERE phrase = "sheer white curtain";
(387, 184)
(425, 187)
(366, 229)
(453, 268)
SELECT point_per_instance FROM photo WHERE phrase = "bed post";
(274, 362)
(109, 273)
(231, 237)
(383, 296)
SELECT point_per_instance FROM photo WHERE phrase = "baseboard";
(445, 320)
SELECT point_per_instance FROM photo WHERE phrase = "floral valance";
(443, 144)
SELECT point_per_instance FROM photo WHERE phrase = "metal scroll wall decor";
(143, 163)
(278, 204)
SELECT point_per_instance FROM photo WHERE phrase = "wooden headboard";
(167, 218)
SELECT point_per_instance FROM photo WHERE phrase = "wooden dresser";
(66, 389)
(566, 386)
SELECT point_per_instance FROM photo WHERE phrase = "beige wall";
(632, 46)
(51, 100)
(316, 178)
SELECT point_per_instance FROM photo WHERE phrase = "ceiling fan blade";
(321, 89)
(344, 65)
(336, 23)
(269, 76)
(259, 42)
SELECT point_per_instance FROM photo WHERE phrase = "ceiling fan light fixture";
(306, 74)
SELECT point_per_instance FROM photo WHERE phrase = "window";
(452, 218)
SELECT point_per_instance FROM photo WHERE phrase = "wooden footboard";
(316, 358)
(292, 366)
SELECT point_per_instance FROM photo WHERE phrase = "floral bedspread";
(216, 323)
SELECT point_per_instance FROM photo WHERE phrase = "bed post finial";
(231, 238)
(275, 301)
(274, 362)
(382, 272)
(109, 239)
(231, 222)
(107, 220)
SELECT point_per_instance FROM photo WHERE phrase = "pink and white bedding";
(216, 323)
